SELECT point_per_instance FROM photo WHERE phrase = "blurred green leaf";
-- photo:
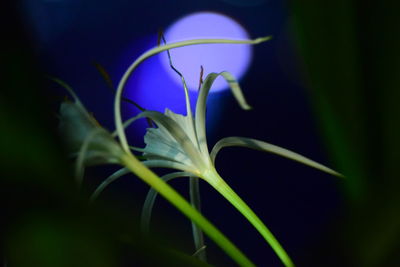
(350, 52)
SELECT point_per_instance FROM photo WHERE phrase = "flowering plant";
(179, 142)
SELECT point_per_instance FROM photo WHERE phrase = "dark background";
(326, 87)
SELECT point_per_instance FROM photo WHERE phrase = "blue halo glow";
(155, 86)
(213, 57)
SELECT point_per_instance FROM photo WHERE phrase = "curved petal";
(151, 198)
(123, 171)
(266, 147)
(200, 119)
(75, 123)
(154, 51)
(79, 167)
(107, 182)
(236, 90)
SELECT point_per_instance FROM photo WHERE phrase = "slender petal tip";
(262, 39)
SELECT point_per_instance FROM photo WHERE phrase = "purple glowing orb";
(155, 86)
(234, 58)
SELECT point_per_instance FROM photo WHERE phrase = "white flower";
(84, 136)
(180, 142)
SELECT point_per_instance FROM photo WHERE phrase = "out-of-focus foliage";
(350, 51)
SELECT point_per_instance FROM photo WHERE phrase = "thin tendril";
(161, 37)
(201, 77)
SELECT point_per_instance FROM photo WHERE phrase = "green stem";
(198, 236)
(225, 190)
(181, 204)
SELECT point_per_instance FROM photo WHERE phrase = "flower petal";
(185, 122)
(266, 147)
(170, 131)
(79, 167)
(154, 51)
(82, 133)
(107, 182)
(202, 101)
(151, 198)
(75, 124)
(236, 90)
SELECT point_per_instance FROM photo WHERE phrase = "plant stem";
(181, 204)
(198, 236)
(225, 190)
